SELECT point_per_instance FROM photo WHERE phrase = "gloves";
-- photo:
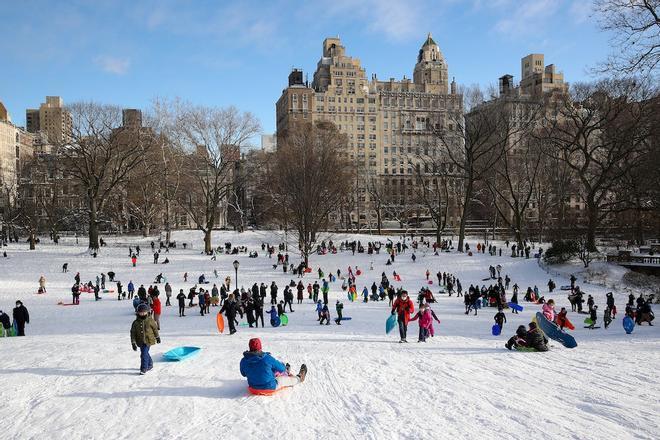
(134, 347)
(158, 340)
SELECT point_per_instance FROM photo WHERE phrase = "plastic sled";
(284, 320)
(308, 270)
(525, 349)
(496, 330)
(65, 304)
(553, 332)
(275, 322)
(390, 323)
(628, 324)
(358, 273)
(258, 392)
(565, 288)
(220, 322)
(588, 321)
(430, 282)
(181, 353)
(346, 318)
(516, 307)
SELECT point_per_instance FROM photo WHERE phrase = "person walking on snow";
(182, 303)
(42, 284)
(403, 307)
(156, 308)
(500, 318)
(425, 322)
(264, 372)
(339, 307)
(144, 334)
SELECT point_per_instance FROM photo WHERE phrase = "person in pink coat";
(425, 322)
(435, 317)
(549, 310)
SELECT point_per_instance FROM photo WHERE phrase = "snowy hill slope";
(75, 375)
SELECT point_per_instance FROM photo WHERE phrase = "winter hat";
(143, 308)
(255, 344)
(532, 325)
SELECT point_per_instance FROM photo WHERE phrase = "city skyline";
(201, 52)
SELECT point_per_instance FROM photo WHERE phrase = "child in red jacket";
(403, 307)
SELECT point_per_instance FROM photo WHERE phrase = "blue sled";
(553, 332)
(181, 353)
(516, 307)
(628, 324)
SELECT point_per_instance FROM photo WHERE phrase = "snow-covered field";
(75, 376)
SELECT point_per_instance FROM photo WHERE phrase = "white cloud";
(114, 65)
(526, 17)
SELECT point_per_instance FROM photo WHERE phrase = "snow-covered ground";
(75, 376)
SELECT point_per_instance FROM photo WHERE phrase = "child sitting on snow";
(517, 340)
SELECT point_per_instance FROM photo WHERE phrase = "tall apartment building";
(51, 119)
(389, 124)
(537, 78)
(525, 106)
(16, 148)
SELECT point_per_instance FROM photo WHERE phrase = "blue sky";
(221, 53)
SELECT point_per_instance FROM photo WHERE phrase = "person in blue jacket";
(264, 372)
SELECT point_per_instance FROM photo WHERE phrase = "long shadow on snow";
(66, 372)
(231, 389)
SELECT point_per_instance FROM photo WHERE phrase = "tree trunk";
(592, 212)
(93, 225)
(32, 241)
(379, 221)
(208, 249)
(464, 216)
(168, 229)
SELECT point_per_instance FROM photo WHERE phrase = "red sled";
(308, 270)
(397, 278)
(430, 282)
(258, 392)
(358, 273)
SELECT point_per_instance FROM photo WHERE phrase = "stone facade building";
(16, 148)
(390, 124)
(51, 119)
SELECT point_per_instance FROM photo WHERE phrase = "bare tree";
(97, 157)
(212, 139)
(477, 131)
(635, 25)
(310, 178)
(162, 120)
(377, 196)
(601, 131)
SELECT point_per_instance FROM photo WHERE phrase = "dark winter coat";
(260, 369)
(230, 308)
(4, 320)
(21, 314)
(182, 299)
(535, 339)
(144, 331)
